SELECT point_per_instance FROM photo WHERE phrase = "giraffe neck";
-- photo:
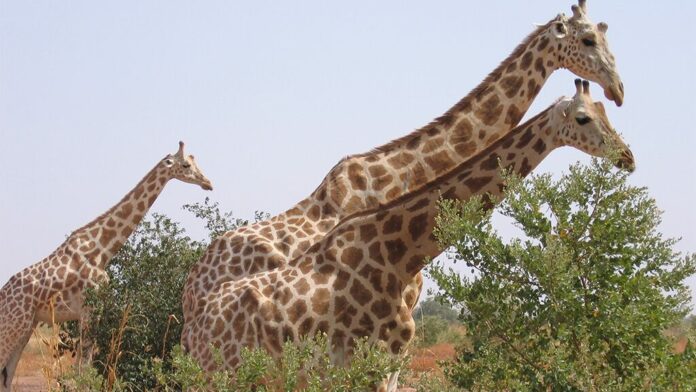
(487, 113)
(400, 233)
(100, 239)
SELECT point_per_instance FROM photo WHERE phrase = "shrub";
(579, 302)
(436, 323)
(303, 367)
(429, 329)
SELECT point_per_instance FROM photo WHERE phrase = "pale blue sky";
(269, 95)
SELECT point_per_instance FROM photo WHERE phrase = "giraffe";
(364, 181)
(79, 262)
(350, 283)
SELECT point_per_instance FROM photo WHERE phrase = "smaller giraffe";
(80, 262)
(350, 284)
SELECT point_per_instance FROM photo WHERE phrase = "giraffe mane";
(447, 116)
(113, 208)
(425, 188)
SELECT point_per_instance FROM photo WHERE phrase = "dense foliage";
(431, 307)
(581, 301)
(303, 367)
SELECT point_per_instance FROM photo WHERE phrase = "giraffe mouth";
(207, 186)
(626, 162)
(615, 93)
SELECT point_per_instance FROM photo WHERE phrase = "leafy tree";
(433, 322)
(218, 222)
(429, 329)
(690, 322)
(581, 301)
(432, 307)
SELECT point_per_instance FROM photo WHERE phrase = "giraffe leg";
(85, 349)
(15, 338)
(411, 294)
(392, 381)
(17, 309)
(9, 370)
(389, 384)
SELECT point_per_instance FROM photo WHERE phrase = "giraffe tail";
(4, 376)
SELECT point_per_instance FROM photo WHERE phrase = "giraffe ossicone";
(52, 289)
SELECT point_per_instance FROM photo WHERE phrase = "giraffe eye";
(583, 120)
(186, 165)
(589, 42)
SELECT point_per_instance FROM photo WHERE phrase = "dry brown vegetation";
(425, 359)
(38, 363)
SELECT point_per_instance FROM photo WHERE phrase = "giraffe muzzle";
(615, 93)
(626, 161)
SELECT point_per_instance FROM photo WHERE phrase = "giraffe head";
(184, 168)
(585, 126)
(582, 47)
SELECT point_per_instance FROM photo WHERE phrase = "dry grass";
(37, 356)
(34, 356)
(37, 364)
(115, 350)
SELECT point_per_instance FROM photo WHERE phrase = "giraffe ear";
(602, 27)
(168, 161)
(600, 108)
(559, 29)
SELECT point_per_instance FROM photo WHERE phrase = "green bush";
(436, 323)
(431, 306)
(426, 382)
(303, 367)
(84, 379)
(429, 329)
(581, 301)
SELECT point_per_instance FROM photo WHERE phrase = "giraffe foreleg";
(85, 349)
(17, 310)
(9, 370)
(13, 339)
(393, 381)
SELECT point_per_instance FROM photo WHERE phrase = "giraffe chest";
(65, 306)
